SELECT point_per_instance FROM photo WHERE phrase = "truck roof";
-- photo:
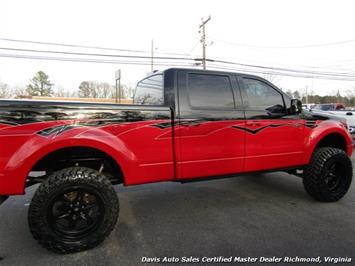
(206, 71)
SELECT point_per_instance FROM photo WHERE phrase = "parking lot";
(251, 215)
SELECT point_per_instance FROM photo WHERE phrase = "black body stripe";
(57, 130)
(255, 131)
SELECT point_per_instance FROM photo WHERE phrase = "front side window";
(150, 91)
(210, 91)
(261, 96)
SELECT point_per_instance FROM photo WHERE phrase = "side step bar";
(2, 199)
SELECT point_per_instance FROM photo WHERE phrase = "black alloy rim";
(76, 212)
(333, 176)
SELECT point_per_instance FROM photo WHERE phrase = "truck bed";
(26, 111)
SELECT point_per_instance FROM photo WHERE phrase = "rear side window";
(150, 91)
(262, 96)
(210, 91)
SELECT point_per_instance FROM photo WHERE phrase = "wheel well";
(333, 140)
(80, 156)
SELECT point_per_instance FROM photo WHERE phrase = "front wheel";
(328, 176)
(74, 209)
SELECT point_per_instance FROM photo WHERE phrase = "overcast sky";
(241, 31)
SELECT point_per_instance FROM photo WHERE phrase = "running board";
(294, 170)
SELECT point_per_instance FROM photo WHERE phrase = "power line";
(88, 60)
(172, 64)
(94, 54)
(285, 47)
(127, 50)
(141, 51)
(297, 72)
(86, 46)
(243, 70)
(308, 67)
(174, 58)
(345, 74)
(193, 48)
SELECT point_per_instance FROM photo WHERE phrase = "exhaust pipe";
(2, 199)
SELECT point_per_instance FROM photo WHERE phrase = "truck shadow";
(248, 215)
(221, 214)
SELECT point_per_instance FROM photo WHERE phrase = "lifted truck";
(184, 125)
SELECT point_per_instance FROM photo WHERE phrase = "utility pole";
(118, 85)
(152, 56)
(203, 41)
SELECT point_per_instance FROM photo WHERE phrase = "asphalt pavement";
(264, 215)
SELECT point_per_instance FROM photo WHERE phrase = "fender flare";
(113, 147)
(318, 134)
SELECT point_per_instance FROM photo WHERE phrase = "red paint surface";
(145, 152)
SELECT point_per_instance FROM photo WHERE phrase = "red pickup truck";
(184, 125)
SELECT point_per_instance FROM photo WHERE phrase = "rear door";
(206, 142)
(273, 139)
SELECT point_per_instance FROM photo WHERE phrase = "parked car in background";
(308, 106)
(329, 106)
(337, 110)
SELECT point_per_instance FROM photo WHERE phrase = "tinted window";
(210, 91)
(263, 96)
(150, 91)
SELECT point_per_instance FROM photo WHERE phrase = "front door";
(273, 138)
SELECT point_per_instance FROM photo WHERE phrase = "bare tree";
(5, 91)
(104, 90)
(289, 93)
(95, 89)
(271, 77)
(350, 93)
(86, 90)
(296, 94)
(20, 92)
(128, 91)
(61, 92)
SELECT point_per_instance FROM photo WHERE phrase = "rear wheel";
(73, 210)
(328, 176)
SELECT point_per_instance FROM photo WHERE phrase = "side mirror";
(296, 106)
